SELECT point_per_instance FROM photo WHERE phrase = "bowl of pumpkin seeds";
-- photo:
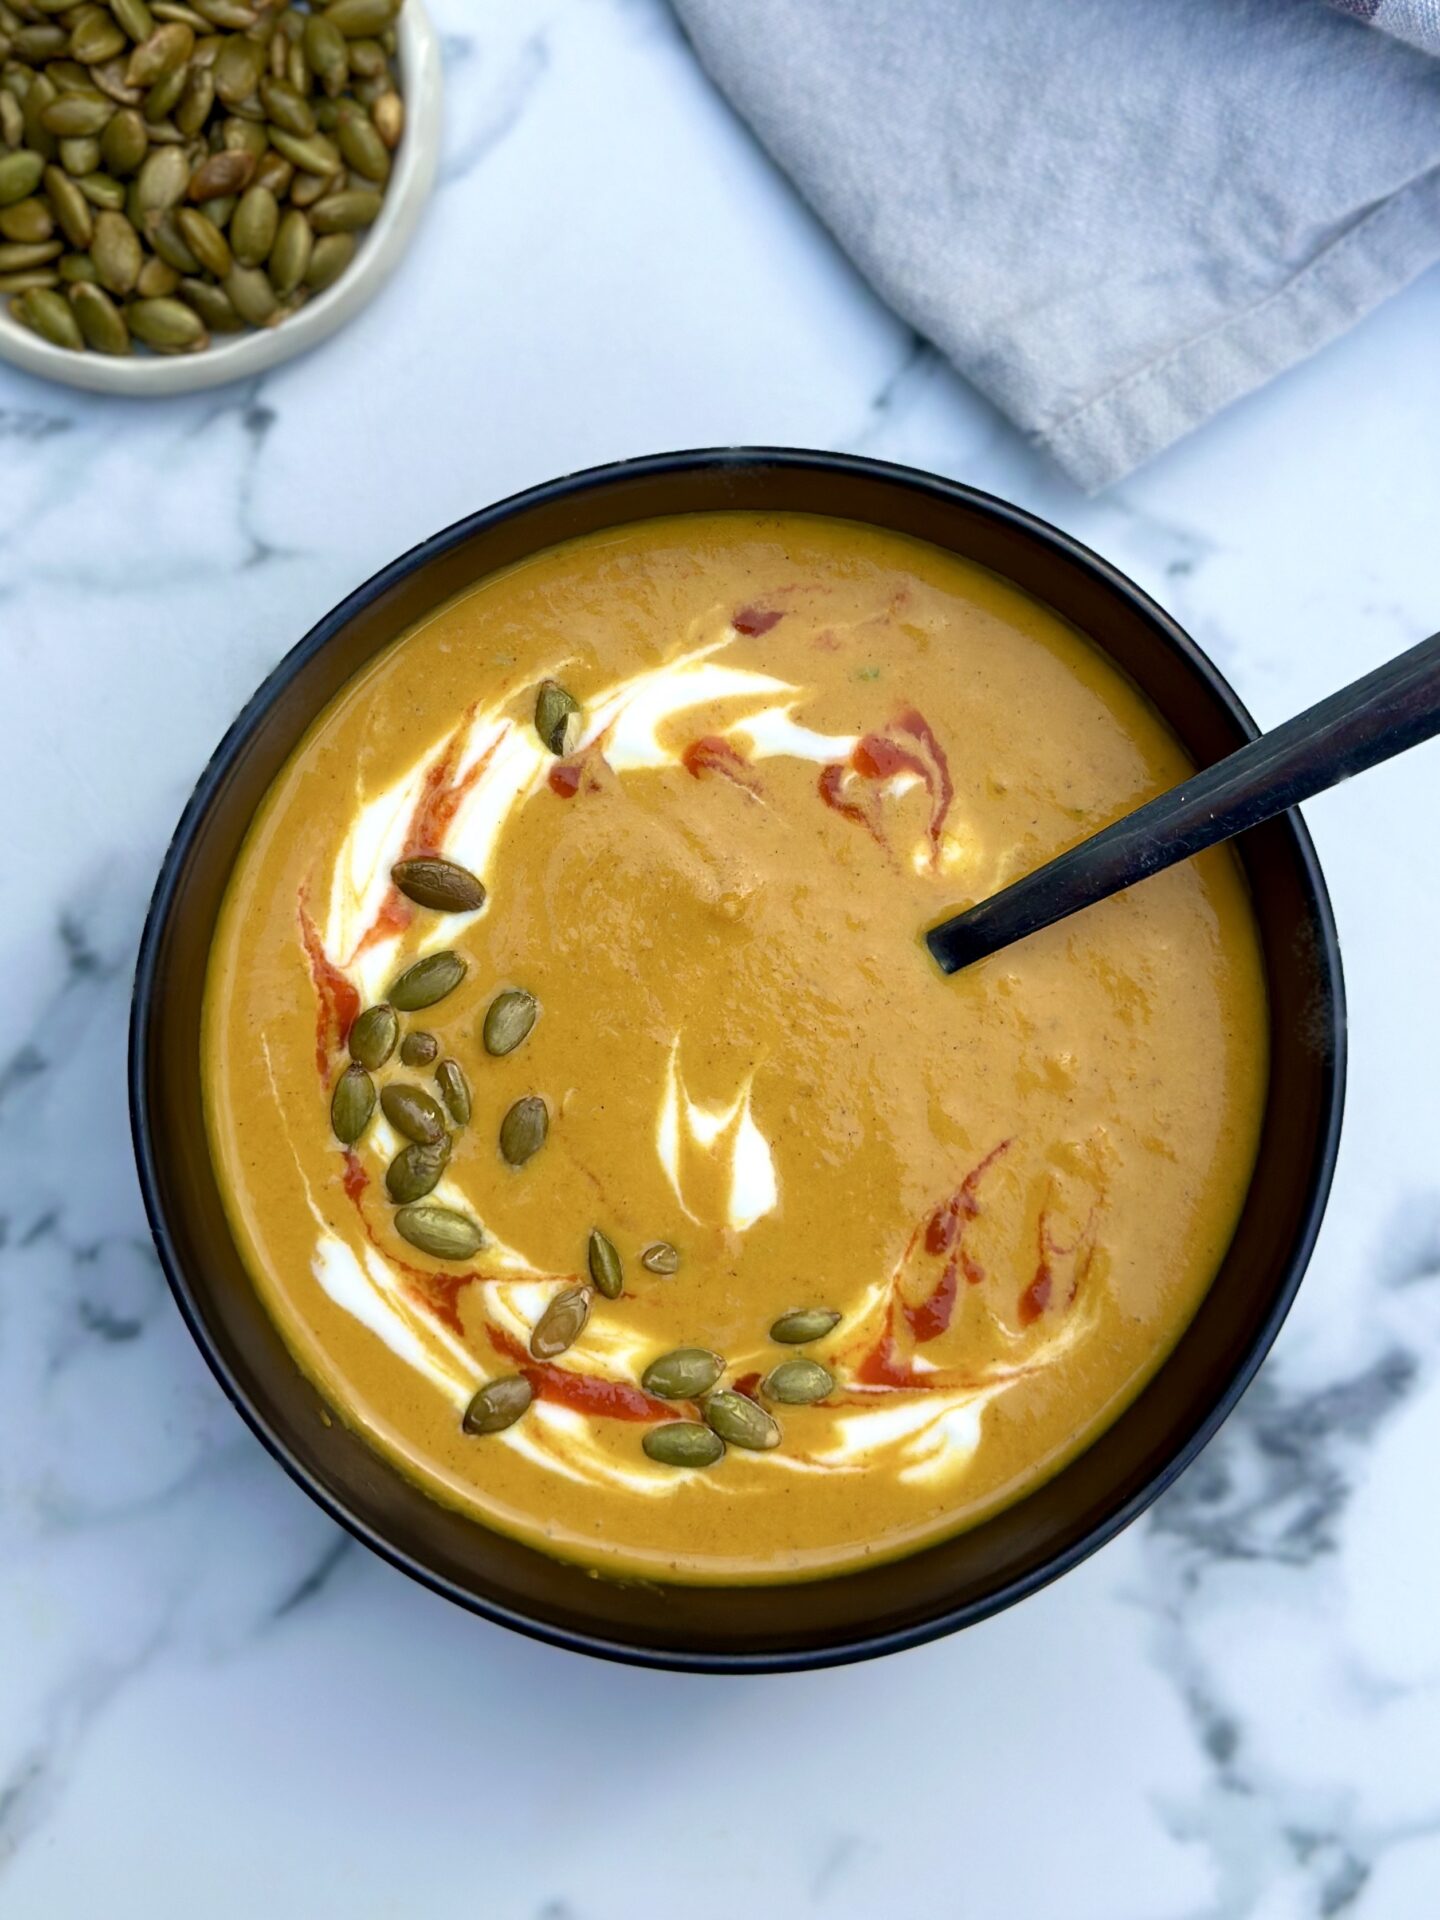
(192, 191)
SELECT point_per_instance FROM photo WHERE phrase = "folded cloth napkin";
(1417, 21)
(1114, 216)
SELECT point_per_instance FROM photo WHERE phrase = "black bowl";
(902, 1602)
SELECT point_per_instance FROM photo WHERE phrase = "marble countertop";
(211, 1701)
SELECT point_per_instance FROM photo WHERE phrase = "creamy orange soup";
(673, 1212)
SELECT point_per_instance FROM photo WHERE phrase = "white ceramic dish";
(243, 355)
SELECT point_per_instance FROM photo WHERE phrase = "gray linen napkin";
(1114, 216)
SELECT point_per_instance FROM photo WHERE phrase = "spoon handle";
(1395, 707)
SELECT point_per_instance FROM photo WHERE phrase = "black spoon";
(1395, 707)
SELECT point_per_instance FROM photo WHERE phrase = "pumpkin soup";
(589, 1112)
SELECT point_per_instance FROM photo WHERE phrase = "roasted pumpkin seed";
(27, 221)
(352, 1103)
(508, 1019)
(555, 710)
(498, 1404)
(740, 1421)
(683, 1443)
(440, 1231)
(374, 1036)
(799, 1383)
(125, 141)
(561, 1324)
(419, 1049)
(416, 1170)
(438, 884)
(605, 1268)
(523, 1130)
(19, 176)
(682, 1375)
(660, 1257)
(253, 226)
(454, 1091)
(412, 1111)
(427, 980)
(804, 1324)
(361, 19)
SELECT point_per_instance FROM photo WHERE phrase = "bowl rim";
(257, 351)
(858, 1644)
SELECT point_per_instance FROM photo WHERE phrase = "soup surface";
(722, 1050)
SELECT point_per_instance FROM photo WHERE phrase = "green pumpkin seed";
(253, 298)
(212, 306)
(799, 1383)
(162, 180)
(660, 1257)
(75, 113)
(419, 1049)
(438, 884)
(48, 314)
(94, 38)
(39, 43)
(227, 13)
(740, 1422)
(523, 1130)
(115, 249)
(19, 176)
(168, 241)
(416, 1170)
(275, 172)
(289, 110)
(561, 1324)
(15, 256)
(100, 320)
(78, 270)
(682, 1375)
(346, 212)
(157, 281)
(361, 19)
(237, 69)
(411, 1111)
(73, 211)
(221, 174)
(311, 153)
(290, 255)
(368, 59)
(508, 1019)
(253, 228)
(804, 1324)
(332, 254)
(167, 325)
(197, 97)
(374, 1036)
(353, 1101)
(325, 53)
(428, 980)
(555, 709)
(159, 101)
(162, 52)
(361, 145)
(605, 1268)
(103, 192)
(498, 1404)
(125, 141)
(440, 1231)
(79, 156)
(454, 1091)
(28, 221)
(683, 1443)
(310, 187)
(205, 240)
(135, 17)
(30, 280)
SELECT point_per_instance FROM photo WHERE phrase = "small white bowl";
(242, 355)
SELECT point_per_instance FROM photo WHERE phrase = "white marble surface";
(210, 1702)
